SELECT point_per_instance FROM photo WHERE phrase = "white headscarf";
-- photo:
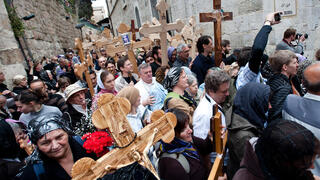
(99, 81)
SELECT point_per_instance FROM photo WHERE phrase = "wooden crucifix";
(217, 16)
(163, 28)
(84, 66)
(130, 147)
(133, 30)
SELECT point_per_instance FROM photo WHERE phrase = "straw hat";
(72, 89)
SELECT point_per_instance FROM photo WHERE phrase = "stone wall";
(45, 34)
(10, 55)
(49, 31)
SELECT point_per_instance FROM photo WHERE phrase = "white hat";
(72, 89)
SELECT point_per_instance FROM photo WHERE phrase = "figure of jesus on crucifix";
(216, 17)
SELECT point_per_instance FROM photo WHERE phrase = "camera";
(298, 35)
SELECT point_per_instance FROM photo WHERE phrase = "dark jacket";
(201, 65)
(58, 101)
(78, 122)
(9, 169)
(172, 169)
(154, 67)
(52, 168)
(179, 63)
(18, 90)
(280, 88)
(250, 168)
(240, 130)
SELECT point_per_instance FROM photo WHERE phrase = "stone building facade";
(248, 17)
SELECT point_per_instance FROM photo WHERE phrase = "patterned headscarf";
(172, 78)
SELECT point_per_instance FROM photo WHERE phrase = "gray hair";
(191, 79)
(180, 47)
(214, 79)
(17, 79)
(143, 66)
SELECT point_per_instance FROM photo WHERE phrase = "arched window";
(137, 17)
(154, 10)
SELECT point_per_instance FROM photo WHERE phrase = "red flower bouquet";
(97, 142)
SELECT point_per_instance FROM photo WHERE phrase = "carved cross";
(132, 147)
(216, 17)
(163, 28)
(84, 66)
(191, 34)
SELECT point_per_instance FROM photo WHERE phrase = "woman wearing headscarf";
(176, 82)
(183, 157)
(172, 55)
(105, 82)
(10, 163)
(245, 120)
(285, 150)
(56, 150)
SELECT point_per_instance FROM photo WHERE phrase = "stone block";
(11, 56)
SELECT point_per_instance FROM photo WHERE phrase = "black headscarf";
(45, 124)
(251, 103)
(172, 78)
(39, 127)
(9, 148)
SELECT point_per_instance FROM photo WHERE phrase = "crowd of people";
(268, 103)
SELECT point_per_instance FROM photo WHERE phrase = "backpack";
(38, 167)
(179, 157)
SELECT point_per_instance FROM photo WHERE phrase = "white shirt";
(153, 89)
(135, 120)
(144, 88)
(202, 116)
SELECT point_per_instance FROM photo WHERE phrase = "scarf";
(103, 91)
(181, 147)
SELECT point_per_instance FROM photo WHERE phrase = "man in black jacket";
(284, 64)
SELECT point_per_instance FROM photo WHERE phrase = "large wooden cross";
(131, 147)
(217, 16)
(84, 66)
(163, 28)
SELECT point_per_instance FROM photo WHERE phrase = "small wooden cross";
(84, 66)
(131, 147)
(216, 17)
(112, 51)
(163, 28)
(220, 144)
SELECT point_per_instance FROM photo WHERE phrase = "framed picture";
(288, 6)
